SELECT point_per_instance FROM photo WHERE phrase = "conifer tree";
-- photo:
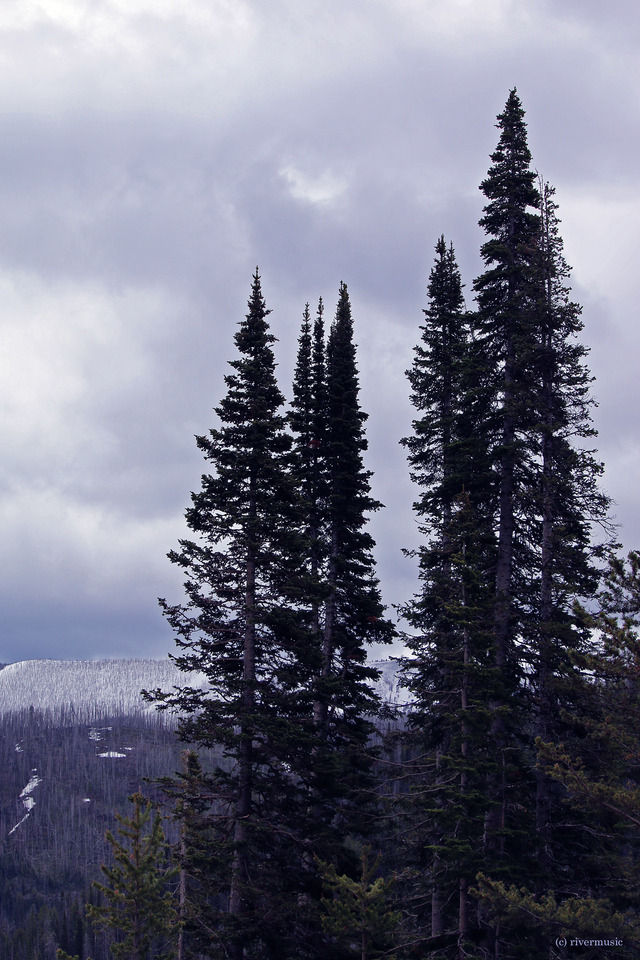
(447, 665)
(523, 388)
(334, 502)
(352, 614)
(548, 497)
(358, 914)
(343, 608)
(197, 889)
(595, 766)
(239, 627)
(308, 422)
(568, 503)
(507, 298)
(138, 904)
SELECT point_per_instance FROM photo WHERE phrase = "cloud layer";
(151, 153)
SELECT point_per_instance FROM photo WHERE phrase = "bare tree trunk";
(182, 893)
(463, 913)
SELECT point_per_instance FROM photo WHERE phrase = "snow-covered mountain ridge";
(85, 690)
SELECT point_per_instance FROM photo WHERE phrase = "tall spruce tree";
(547, 496)
(568, 504)
(308, 422)
(447, 665)
(353, 613)
(534, 485)
(239, 626)
(507, 322)
(343, 609)
(507, 331)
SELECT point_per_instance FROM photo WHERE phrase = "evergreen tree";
(352, 613)
(342, 606)
(548, 498)
(308, 422)
(447, 669)
(198, 890)
(568, 503)
(506, 410)
(358, 914)
(239, 627)
(138, 904)
(507, 298)
(596, 768)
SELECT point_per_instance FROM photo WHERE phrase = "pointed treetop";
(256, 303)
(510, 188)
(445, 284)
(511, 158)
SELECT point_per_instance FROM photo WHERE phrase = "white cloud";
(324, 188)
(61, 55)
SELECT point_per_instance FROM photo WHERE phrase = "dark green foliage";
(357, 914)
(341, 605)
(353, 614)
(136, 901)
(197, 845)
(308, 423)
(547, 495)
(448, 670)
(597, 770)
(509, 497)
(281, 601)
(242, 626)
(507, 322)
(565, 507)
(345, 612)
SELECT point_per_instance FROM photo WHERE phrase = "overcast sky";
(152, 152)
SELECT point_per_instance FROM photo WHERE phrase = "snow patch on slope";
(28, 801)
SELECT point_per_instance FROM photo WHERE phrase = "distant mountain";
(83, 691)
(87, 690)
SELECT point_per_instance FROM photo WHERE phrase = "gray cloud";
(151, 153)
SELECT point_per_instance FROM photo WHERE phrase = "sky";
(153, 152)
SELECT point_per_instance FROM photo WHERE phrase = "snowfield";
(82, 691)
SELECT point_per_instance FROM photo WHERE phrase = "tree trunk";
(239, 872)
(320, 706)
(545, 704)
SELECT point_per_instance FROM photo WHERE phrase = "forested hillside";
(77, 740)
(60, 783)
